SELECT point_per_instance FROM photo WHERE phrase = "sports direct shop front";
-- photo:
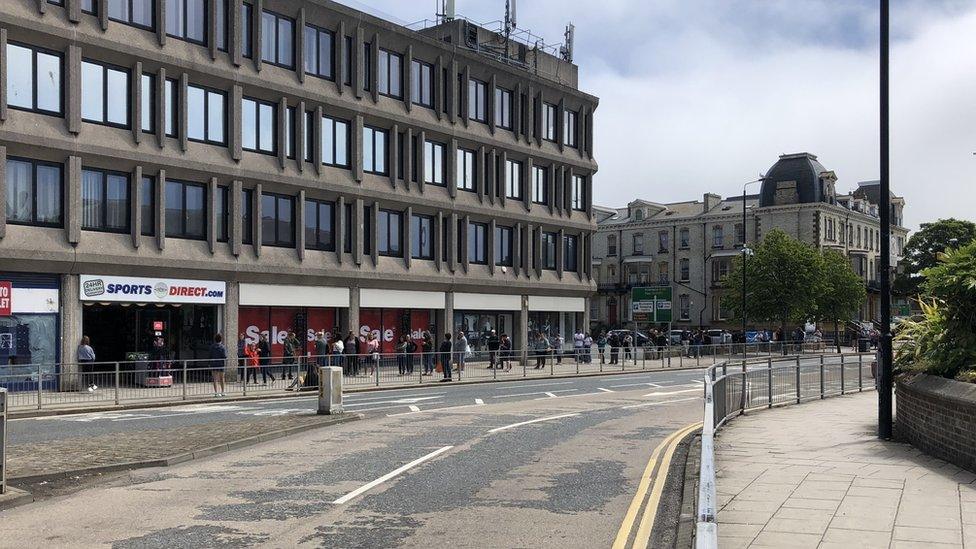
(136, 318)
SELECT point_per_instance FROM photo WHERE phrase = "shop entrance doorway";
(116, 330)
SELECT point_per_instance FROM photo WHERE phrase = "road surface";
(545, 463)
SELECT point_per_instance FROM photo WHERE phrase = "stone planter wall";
(938, 416)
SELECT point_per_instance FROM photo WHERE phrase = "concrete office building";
(190, 167)
(690, 245)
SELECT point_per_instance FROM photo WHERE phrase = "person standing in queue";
(264, 359)
(446, 349)
(86, 360)
(242, 359)
(427, 348)
(493, 344)
(218, 356)
(291, 348)
(460, 351)
(321, 349)
(253, 362)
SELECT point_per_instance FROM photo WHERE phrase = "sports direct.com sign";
(131, 289)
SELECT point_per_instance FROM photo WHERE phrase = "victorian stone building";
(690, 246)
(178, 168)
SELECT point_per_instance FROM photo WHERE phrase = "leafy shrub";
(943, 341)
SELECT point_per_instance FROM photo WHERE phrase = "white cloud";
(699, 96)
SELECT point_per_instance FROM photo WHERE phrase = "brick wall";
(938, 416)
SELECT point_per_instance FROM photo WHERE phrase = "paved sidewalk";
(60, 456)
(814, 475)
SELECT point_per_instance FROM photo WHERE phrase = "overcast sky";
(702, 95)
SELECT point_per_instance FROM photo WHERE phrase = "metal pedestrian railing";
(736, 386)
(64, 385)
(3, 441)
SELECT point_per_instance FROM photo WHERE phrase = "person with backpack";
(427, 354)
(446, 349)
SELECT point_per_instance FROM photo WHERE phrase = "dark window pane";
(196, 217)
(147, 206)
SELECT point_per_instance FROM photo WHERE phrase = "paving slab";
(819, 476)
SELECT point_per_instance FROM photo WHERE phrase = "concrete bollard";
(330, 390)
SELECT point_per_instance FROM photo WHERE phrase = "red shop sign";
(6, 298)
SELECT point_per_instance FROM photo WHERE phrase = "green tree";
(784, 278)
(843, 291)
(923, 249)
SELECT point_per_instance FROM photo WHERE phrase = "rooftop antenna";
(566, 51)
(448, 11)
(510, 16)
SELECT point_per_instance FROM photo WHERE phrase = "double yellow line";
(643, 536)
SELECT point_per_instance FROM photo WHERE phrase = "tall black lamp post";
(746, 252)
(884, 351)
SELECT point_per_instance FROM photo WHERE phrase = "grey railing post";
(244, 381)
(742, 399)
(860, 366)
(797, 379)
(494, 370)
(380, 362)
(769, 382)
(821, 377)
(40, 383)
(184, 380)
(577, 366)
(842, 368)
(116, 383)
(3, 440)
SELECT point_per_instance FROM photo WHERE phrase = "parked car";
(675, 337)
(640, 339)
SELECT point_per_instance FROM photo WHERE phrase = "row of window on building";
(34, 83)
(188, 20)
(34, 194)
(684, 240)
(857, 236)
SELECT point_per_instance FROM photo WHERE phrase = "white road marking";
(391, 474)
(536, 393)
(536, 384)
(658, 403)
(387, 395)
(479, 401)
(605, 390)
(514, 425)
(674, 392)
(414, 408)
(397, 401)
(637, 385)
(570, 396)
(550, 395)
(446, 408)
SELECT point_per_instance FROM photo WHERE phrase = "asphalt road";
(424, 399)
(544, 463)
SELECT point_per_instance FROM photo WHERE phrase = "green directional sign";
(652, 304)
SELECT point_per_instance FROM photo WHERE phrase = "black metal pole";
(884, 350)
(745, 257)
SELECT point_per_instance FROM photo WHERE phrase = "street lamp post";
(746, 252)
(884, 385)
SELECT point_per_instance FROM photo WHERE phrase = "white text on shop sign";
(154, 290)
(6, 293)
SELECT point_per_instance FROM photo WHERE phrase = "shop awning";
(283, 295)
(557, 304)
(400, 299)
(487, 302)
